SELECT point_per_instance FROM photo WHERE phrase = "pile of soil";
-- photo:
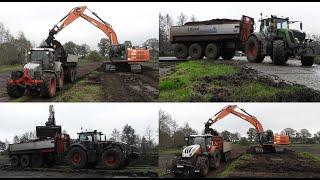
(277, 165)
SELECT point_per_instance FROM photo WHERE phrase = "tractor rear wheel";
(15, 91)
(278, 52)
(48, 88)
(212, 51)
(228, 54)
(307, 60)
(181, 51)
(253, 50)
(25, 161)
(196, 51)
(77, 158)
(202, 163)
(15, 161)
(112, 158)
(36, 161)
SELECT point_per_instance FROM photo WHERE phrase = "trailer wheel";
(196, 51)
(25, 161)
(278, 52)
(202, 163)
(112, 158)
(36, 161)
(48, 88)
(15, 91)
(15, 161)
(307, 60)
(253, 50)
(77, 157)
(61, 80)
(226, 156)
(212, 51)
(228, 54)
(181, 51)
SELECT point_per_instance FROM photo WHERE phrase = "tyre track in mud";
(130, 87)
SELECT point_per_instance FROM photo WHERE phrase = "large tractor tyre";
(112, 158)
(36, 161)
(77, 158)
(212, 51)
(307, 60)
(15, 91)
(228, 54)
(253, 50)
(14, 161)
(61, 80)
(49, 85)
(196, 51)
(181, 51)
(25, 161)
(216, 160)
(278, 52)
(202, 163)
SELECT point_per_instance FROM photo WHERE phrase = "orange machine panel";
(281, 139)
(138, 55)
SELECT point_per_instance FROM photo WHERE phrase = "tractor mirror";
(301, 26)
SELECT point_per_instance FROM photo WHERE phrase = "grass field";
(204, 81)
(8, 68)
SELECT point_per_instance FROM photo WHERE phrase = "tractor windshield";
(39, 56)
(197, 141)
(85, 137)
(282, 23)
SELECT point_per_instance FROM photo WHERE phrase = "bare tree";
(193, 18)
(182, 19)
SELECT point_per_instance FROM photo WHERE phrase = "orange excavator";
(120, 55)
(266, 139)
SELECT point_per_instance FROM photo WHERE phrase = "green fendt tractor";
(277, 40)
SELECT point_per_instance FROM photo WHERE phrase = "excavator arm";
(230, 109)
(74, 14)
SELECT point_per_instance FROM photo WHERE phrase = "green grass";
(170, 150)
(231, 167)
(83, 91)
(178, 86)
(205, 81)
(307, 155)
(8, 68)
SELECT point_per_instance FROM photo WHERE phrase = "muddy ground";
(287, 165)
(246, 75)
(116, 87)
(165, 159)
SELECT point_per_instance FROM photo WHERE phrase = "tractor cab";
(90, 136)
(272, 24)
(41, 56)
(205, 141)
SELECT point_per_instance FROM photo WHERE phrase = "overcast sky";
(307, 12)
(136, 22)
(18, 118)
(274, 116)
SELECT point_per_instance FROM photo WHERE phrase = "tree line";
(13, 50)
(172, 135)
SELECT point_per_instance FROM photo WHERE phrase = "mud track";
(130, 87)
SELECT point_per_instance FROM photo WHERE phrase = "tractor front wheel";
(15, 91)
(202, 163)
(278, 52)
(253, 50)
(48, 88)
(307, 60)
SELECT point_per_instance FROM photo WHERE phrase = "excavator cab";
(118, 52)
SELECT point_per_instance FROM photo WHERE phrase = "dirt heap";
(284, 165)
